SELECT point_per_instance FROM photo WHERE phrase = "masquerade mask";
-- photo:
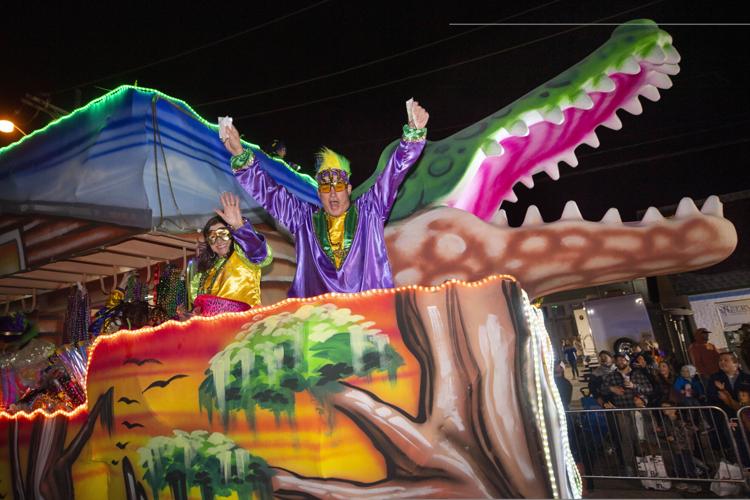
(336, 186)
(218, 234)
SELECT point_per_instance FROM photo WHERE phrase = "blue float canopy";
(133, 157)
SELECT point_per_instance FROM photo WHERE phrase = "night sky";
(694, 142)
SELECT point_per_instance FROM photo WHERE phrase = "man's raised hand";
(232, 140)
(420, 116)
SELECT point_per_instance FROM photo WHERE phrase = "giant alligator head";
(476, 169)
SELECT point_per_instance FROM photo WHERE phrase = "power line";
(595, 24)
(435, 70)
(360, 66)
(195, 49)
(456, 127)
(697, 149)
(665, 138)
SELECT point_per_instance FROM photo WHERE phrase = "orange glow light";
(250, 312)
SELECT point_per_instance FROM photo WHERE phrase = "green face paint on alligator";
(467, 170)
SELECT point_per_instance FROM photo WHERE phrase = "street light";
(7, 127)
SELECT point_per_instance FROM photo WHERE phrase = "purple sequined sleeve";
(253, 244)
(382, 194)
(280, 203)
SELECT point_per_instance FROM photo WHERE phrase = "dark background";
(694, 142)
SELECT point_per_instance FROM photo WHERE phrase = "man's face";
(727, 364)
(334, 202)
(621, 362)
(605, 359)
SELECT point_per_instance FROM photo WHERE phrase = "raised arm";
(275, 198)
(253, 244)
(382, 194)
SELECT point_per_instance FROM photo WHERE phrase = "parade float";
(440, 387)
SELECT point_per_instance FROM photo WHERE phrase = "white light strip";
(542, 355)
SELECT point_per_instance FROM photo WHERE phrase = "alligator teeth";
(713, 206)
(500, 218)
(650, 92)
(613, 122)
(656, 55)
(582, 101)
(629, 66)
(673, 57)
(553, 171)
(519, 129)
(659, 80)
(571, 211)
(533, 217)
(633, 106)
(612, 217)
(491, 147)
(686, 208)
(591, 140)
(511, 197)
(554, 115)
(670, 69)
(527, 181)
(570, 159)
(652, 215)
(604, 84)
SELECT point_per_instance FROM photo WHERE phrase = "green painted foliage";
(212, 462)
(310, 349)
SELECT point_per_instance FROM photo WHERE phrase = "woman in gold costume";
(226, 276)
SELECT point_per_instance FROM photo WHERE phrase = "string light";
(542, 346)
(108, 96)
(251, 312)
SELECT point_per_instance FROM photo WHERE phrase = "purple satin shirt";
(366, 265)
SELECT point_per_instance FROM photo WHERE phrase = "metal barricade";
(680, 443)
(743, 423)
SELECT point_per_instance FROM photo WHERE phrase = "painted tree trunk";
(49, 468)
(473, 346)
(207, 493)
(177, 485)
(133, 488)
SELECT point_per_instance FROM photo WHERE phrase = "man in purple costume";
(341, 247)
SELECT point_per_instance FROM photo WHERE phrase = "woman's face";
(664, 369)
(219, 239)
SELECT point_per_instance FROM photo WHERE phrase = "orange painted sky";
(310, 448)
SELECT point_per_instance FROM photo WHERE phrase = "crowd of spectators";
(649, 378)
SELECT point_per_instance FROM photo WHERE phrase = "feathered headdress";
(330, 164)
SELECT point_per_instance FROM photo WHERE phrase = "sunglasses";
(337, 186)
(219, 234)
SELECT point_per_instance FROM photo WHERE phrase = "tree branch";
(414, 334)
(392, 431)
(103, 406)
(286, 484)
(15, 461)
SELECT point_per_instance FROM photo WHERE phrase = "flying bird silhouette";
(141, 362)
(122, 445)
(164, 383)
(130, 426)
(128, 401)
